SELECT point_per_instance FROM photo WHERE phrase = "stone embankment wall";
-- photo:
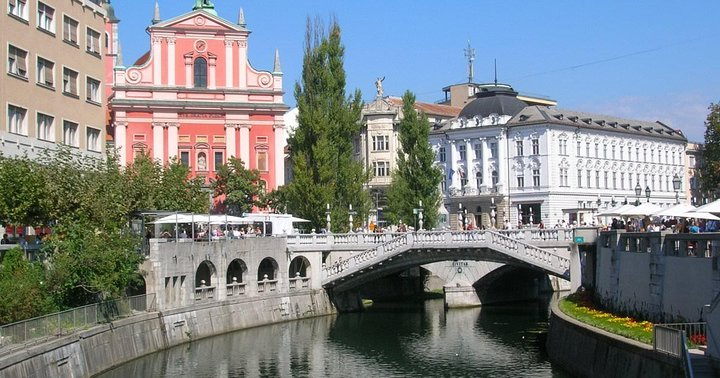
(585, 351)
(98, 349)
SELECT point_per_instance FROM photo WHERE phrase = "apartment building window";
(93, 139)
(262, 160)
(478, 151)
(606, 175)
(381, 168)
(70, 31)
(18, 8)
(92, 90)
(587, 149)
(614, 186)
(589, 178)
(597, 179)
(536, 178)
(622, 152)
(519, 148)
(622, 180)
(495, 178)
(462, 152)
(380, 143)
(463, 179)
(185, 158)
(493, 150)
(70, 79)
(563, 147)
(17, 120)
(637, 154)
(613, 151)
(536, 146)
(200, 71)
(45, 127)
(46, 17)
(579, 178)
(630, 181)
(520, 180)
(17, 64)
(645, 155)
(441, 155)
(92, 42)
(478, 179)
(70, 133)
(597, 150)
(219, 161)
(563, 177)
(45, 72)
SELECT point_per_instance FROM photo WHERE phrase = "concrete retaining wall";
(103, 347)
(585, 351)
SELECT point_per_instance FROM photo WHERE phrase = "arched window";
(200, 73)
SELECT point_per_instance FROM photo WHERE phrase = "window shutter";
(88, 41)
(96, 44)
(73, 84)
(73, 32)
(48, 75)
(21, 60)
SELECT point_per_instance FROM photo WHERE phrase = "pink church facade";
(195, 97)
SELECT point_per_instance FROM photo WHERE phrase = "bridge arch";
(206, 274)
(236, 272)
(268, 266)
(299, 267)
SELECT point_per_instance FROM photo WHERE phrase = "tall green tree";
(710, 170)
(243, 188)
(415, 178)
(321, 149)
(23, 286)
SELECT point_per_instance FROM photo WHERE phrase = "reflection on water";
(388, 340)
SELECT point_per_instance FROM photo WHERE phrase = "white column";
(453, 165)
(229, 64)
(279, 154)
(245, 145)
(212, 68)
(158, 151)
(188, 72)
(173, 139)
(171, 61)
(230, 139)
(502, 160)
(485, 164)
(469, 152)
(121, 141)
(156, 60)
(242, 64)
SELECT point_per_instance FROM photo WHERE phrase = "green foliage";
(24, 195)
(710, 170)
(242, 188)
(416, 178)
(24, 291)
(321, 149)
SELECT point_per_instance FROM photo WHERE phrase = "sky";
(644, 60)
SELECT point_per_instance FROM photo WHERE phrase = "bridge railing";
(235, 289)
(267, 285)
(298, 283)
(340, 239)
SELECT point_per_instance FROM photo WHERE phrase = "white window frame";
(18, 11)
(67, 33)
(44, 130)
(41, 72)
(45, 17)
(91, 95)
(17, 64)
(17, 119)
(65, 85)
(92, 45)
(68, 135)
(442, 154)
(92, 139)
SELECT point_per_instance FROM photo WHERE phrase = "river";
(387, 340)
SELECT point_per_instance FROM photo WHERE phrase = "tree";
(24, 195)
(416, 178)
(178, 192)
(242, 188)
(321, 149)
(23, 286)
(710, 170)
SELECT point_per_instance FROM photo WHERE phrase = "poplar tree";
(710, 170)
(415, 178)
(321, 149)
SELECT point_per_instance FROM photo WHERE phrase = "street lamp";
(647, 193)
(351, 212)
(676, 185)
(638, 192)
(420, 216)
(327, 217)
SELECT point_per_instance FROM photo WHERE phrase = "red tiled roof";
(428, 108)
(142, 59)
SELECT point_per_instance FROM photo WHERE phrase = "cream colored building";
(51, 90)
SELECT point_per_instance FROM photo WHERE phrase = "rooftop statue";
(200, 4)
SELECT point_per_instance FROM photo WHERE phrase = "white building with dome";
(505, 161)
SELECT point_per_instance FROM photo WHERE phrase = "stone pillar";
(453, 165)
(171, 61)
(471, 186)
(158, 143)
(575, 268)
(245, 145)
(230, 139)
(460, 296)
(212, 72)
(157, 60)
(229, 64)
(173, 139)
(279, 129)
(188, 71)
(121, 141)
(242, 60)
(502, 161)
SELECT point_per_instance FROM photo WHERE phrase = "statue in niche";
(202, 164)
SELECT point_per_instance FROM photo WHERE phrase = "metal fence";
(670, 338)
(65, 322)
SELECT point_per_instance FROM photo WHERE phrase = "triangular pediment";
(199, 19)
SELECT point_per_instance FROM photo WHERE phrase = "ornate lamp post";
(676, 186)
(420, 215)
(638, 192)
(493, 212)
(327, 216)
(351, 212)
(647, 193)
